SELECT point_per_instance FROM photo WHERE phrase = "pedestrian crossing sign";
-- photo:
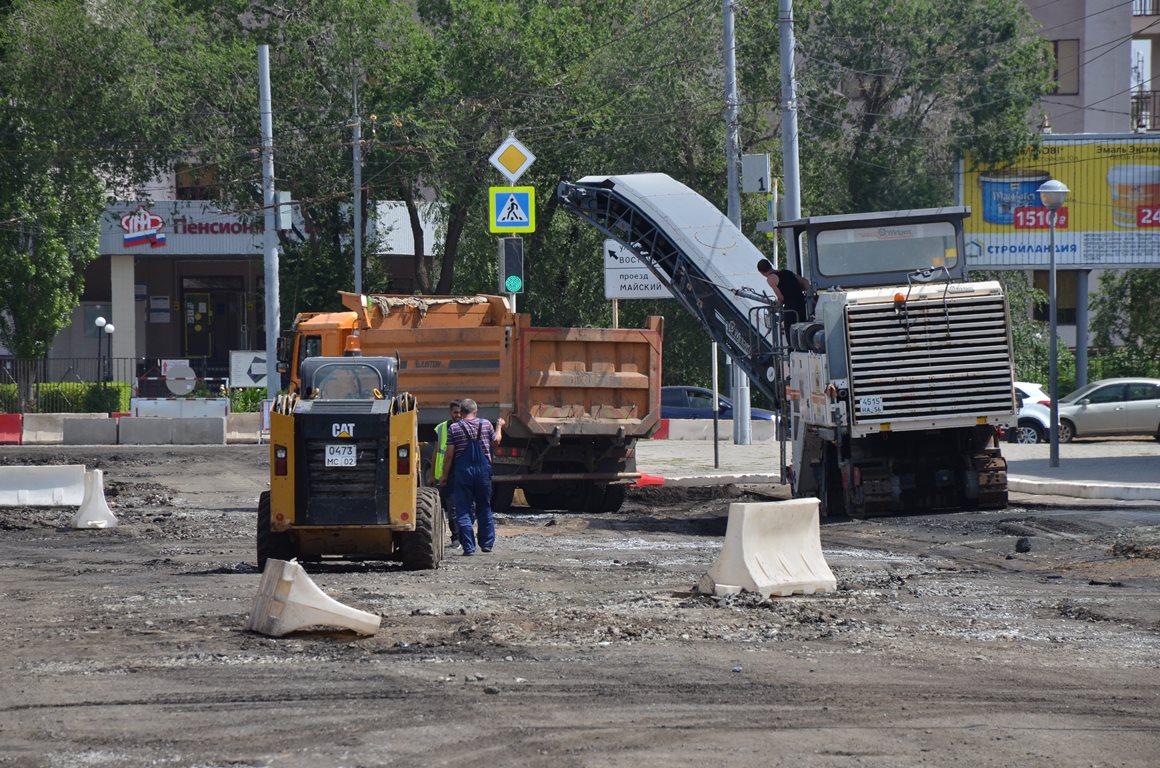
(513, 209)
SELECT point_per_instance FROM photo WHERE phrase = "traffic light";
(511, 265)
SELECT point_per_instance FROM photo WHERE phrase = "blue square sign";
(512, 209)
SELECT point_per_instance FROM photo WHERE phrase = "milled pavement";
(1124, 470)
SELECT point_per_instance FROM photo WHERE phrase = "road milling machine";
(891, 388)
(344, 470)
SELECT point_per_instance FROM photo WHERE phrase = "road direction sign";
(625, 277)
(512, 209)
(512, 159)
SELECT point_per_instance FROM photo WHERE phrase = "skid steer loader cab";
(344, 470)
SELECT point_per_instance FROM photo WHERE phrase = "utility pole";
(270, 233)
(792, 200)
(357, 142)
(741, 427)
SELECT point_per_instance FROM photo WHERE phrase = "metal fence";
(91, 384)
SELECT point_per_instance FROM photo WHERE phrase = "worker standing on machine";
(468, 461)
(446, 494)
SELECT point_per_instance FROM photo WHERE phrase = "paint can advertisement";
(1110, 219)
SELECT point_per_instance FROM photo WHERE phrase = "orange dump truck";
(575, 400)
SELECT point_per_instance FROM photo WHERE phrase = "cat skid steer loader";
(344, 470)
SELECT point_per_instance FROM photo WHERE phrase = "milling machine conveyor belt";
(694, 250)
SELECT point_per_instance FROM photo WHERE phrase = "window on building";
(1066, 73)
(197, 182)
(1065, 291)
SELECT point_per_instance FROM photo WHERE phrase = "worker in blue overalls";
(467, 464)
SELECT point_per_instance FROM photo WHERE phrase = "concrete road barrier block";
(288, 600)
(771, 548)
(11, 428)
(48, 428)
(204, 430)
(43, 486)
(243, 427)
(89, 431)
(145, 430)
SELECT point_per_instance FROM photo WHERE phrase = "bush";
(246, 400)
(69, 397)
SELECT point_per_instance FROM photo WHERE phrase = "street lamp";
(100, 322)
(1053, 193)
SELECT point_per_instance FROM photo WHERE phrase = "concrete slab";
(146, 430)
(89, 431)
(48, 428)
(243, 427)
(206, 430)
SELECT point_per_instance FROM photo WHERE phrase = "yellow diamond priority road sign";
(512, 159)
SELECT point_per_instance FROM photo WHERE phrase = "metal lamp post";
(100, 322)
(109, 330)
(1053, 193)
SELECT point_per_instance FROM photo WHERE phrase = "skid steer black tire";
(422, 549)
(279, 546)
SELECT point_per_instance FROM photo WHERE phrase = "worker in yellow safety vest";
(445, 494)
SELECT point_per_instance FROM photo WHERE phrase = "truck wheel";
(422, 549)
(541, 500)
(502, 495)
(614, 497)
(279, 546)
(594, 498)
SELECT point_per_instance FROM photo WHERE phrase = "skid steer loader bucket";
(771, 548)
(288, 601)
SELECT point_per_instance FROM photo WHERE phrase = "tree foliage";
(892, 92)
(889, 93)
(1124, 323)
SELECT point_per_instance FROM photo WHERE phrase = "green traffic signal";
(514, 283)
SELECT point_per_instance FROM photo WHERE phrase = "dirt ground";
(578, 642)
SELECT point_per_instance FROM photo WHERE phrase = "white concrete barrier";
(44, 486)
(244, 428)
(771, 548)
(94, 511)
(180, 407)
(288, 600)
(702, 429)
(48, 428)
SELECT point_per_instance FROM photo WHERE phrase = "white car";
(1034, 420)
(1034, 424)
(1032, 393)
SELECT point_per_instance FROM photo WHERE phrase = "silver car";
(1111, 407)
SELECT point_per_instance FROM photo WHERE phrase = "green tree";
(81, 84)
(892, 93)
(1124, 324)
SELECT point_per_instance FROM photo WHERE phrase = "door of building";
(214, 316)
(197, 313)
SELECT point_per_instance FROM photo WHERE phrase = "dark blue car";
(697, 403)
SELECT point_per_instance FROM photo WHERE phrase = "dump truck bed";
(545, 381)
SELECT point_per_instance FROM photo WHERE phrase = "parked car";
(1111, 407)
(1030, 392)
(697, 403)
(1034, 418)
(1034, 425)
